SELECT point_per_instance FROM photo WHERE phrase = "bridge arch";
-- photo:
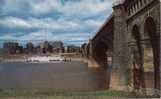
(152, 51)
(102, 54)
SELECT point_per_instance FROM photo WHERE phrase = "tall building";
(57, 46)
(29, 47)
(11, 47)
(72, 49)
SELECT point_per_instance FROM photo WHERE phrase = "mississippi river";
(73, 76)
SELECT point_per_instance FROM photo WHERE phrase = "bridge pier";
(92, 64)
(120, 70)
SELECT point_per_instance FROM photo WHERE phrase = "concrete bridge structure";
(129, 43)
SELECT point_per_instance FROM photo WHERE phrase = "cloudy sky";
(72, 21)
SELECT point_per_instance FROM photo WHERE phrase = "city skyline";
(34, 42)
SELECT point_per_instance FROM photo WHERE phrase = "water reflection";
(74, 76)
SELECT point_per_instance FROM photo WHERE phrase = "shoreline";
(23, 57)
(24, 60)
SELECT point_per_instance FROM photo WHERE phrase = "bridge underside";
(101, 47)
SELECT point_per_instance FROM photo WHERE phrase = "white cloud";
(83, 8)
(14, 22)
(69, 8)
(94, 23)
(49, 24)
(6, 37)
(45, 6)
(86, 7)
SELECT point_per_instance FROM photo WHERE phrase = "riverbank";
(37, 94)
(49, 94)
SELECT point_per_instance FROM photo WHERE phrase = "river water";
(74, 76)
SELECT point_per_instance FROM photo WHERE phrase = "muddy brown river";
(74, 76)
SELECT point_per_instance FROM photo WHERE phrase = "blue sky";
(71, 21)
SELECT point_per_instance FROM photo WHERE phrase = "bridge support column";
(120, 65)
(91, 62)
(159, 30)
(160, 53)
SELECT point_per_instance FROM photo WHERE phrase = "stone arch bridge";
(129, 42)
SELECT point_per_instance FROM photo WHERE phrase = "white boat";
(45, 59)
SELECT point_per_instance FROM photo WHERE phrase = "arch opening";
(152, 45)
(102, 55)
